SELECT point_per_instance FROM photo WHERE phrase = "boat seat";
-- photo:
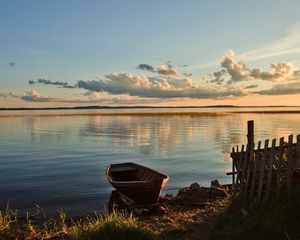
(123, 169)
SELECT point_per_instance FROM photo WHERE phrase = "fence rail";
(257, 171)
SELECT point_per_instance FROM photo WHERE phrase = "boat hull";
(141, 184)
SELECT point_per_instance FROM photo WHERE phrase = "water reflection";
(168, 132)
(52, 160)
(143, 132)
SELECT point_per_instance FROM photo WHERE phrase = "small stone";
(160, 209)
(141, 211)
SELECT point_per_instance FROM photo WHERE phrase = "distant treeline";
(135, 107)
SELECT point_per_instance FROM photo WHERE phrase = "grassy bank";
(279, 218)
(114, 226)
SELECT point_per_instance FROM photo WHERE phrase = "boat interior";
(131, 172)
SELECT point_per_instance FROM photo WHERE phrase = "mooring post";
(249, 152)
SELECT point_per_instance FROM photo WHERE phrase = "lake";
(57, 159)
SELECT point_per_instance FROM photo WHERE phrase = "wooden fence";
(257, 171)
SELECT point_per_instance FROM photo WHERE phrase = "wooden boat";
(141, 184)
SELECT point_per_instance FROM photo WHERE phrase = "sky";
(155, 53)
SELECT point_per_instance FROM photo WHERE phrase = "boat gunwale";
(164, 177)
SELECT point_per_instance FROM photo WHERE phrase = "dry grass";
(114, 226)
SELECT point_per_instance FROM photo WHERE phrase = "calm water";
(58, 161)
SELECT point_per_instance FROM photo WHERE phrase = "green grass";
(277, 218)
(114, 226)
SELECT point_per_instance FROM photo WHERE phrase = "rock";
(160, 209)
(141, 211)
(215, 183)
(182, 191)
(217, 192)
(195, 185)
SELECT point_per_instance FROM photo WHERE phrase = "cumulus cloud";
(233, 79)
(237, 70)
(187, 74)
(218, 77)
(161, 69)
(156, 87)
(9, 94)
(88, 97)
(282, 89)
(283, 71)
(49, 82)
(167, 70)
(33, 96)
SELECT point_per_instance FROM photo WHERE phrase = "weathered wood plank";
(289, 161)
(262, 170)
(239, 169)
(243, 177)
(233, 167)
(250, 135)
(270, 169)
(297, 157)
(255, 165)
(279, 165)
(249, 167)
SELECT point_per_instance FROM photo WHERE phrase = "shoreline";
(40, 113)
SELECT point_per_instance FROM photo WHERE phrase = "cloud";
(89, 97)
(234, 78)
(161, 69)
(156, 87)
(146, 67)
(237, 70)
(283, 71)
(96, 97)
(33, 96)
(218, 77)
(282, 89)
(251, 86)
(288, 44)
(49, 82)
(187, 74)
(9, 94)
(167, 70)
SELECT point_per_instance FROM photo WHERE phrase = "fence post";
(250, 135)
